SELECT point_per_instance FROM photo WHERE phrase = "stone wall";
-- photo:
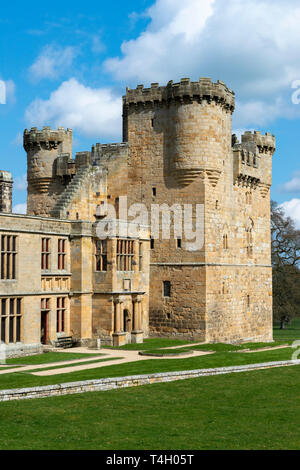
(101, 385)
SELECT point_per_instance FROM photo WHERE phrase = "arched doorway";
(126, 320)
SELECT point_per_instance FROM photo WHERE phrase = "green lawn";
(225, 355)
(49, 357)
(289, 333)
(219, 359)
(152, 343)
(255, 410)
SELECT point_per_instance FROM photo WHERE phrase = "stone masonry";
(58, 278)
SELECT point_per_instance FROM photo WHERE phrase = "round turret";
(195, 118)
(43, 147)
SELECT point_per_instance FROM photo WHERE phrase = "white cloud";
(20, 208)
(52, 62)
(20, 183)
(292, 186)
(252, 45)
(93, 112)
(292, 210)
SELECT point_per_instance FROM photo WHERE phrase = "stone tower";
(43, 147)
(6, 183)
(180, 140)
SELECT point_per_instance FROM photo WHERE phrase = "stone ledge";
(98, 385)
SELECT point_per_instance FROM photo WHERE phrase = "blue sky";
(68, 63)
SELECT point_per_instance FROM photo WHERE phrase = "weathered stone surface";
(178, 149)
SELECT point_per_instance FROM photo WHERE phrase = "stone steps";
(69, 193)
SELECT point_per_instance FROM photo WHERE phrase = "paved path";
(127, 356)
(6, 370)
(117, 357)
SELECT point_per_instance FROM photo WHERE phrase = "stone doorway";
(44, 327)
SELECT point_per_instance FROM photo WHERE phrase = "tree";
(285, 262)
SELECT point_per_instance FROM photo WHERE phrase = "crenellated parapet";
(258, 142)
(184, 91)
(252, 160)
(46, 138)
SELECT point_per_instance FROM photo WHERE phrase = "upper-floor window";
(125, 255)
(140, 256)
(45, 261)
(249, 236)
(225, 242)
(101, 255)
(166, 288)
(8, 256)
(61, 253)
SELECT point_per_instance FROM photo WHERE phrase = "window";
(124, 255)
(101, 255)
(45, 305)
(248, 300)
(225, 242)
(152, 243)
(249, 243)
(154, 192)
(8, 256)
(178, 242)
(249, 237)
(60, 314)
(140, 256)
(45, 253)
(61, 253)
(167, 288)
(11, 317)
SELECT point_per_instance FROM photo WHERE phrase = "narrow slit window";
(167, 288)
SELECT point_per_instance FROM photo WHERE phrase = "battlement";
(5, 176)
(264, 143)
(103, 152)
(203, 90)
(50, 138)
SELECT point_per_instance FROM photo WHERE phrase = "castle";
(59, 278)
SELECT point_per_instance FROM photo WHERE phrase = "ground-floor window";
(11, 319)
(60, 314)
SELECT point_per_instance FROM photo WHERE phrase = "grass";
(166, 352)
(223, 357)
(257, 410)
(76, 364)
(289, 333)
(219, 359)
(152, 343)
(49, 357)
